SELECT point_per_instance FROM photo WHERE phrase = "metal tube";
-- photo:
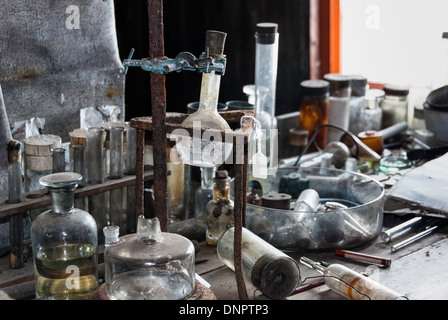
(400, 229)
(412, 239)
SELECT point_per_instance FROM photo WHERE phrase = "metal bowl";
(353, 217)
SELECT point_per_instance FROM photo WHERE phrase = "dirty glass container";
(314, 108)
(219, 210)
(394, 105)
(358, 85)
(149, 264)
(206, 149)
(65, 244)
(204, 193)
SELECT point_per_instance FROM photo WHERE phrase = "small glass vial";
(340, 93)
(314, 109)
(15, 186)
(394, 105)
(204, 194)
(65, 244)
(358, 85)
(219, 210)
(344, 281)
(273, 272)
(149, 264)
(371, 115)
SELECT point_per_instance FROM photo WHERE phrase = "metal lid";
(266, 32)
(396, 90)
(315, 87)
(337, 81)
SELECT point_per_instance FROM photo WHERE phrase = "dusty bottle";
(149, 264)
(219, 210)
(65, 243)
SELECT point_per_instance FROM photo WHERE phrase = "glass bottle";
(394, 105)
(371, 115)
(269, 269)
(358, 85)
(340, 93)
(98, 204)
(204, 193)
(65, 244)
(266, 67)
(351, 284)
(206, 149)
(149, 264)
(116, 172)
(219, 210)
(314, 109)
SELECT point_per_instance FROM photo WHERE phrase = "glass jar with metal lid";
(340, 93)
(314, 108)
(394, 105)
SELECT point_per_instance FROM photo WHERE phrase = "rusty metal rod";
(158, 104)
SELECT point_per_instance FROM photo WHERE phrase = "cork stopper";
(222, 174)
(38, 151)
(78, 136)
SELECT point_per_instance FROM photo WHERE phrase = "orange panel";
(335, 36)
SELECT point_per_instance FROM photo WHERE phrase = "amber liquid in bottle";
(314, 113)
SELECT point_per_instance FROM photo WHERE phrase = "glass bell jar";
(149, 264)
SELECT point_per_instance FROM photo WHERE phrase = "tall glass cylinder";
(98, 204)
(340, 93)
(15, 187)
(131, 155)
(269, 269)
(266, 66)
(116, 172)
(79, 166)
(58, 160)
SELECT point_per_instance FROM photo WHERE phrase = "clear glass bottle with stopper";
(351, 284)
(219, 210)
(149, 264)
(207, 149)
(65, 243)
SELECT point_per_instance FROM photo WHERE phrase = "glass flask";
(394, 105)
(206, 149)
(340, 93)
(149, 264)
(219, 210)
(314, 109)
(266, 67)
(204, 193)
(65, 244)
(269, 269)
(351, 284)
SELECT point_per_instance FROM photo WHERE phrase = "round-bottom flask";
(148, 265)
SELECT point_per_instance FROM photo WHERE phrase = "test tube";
(98, 204)
(58, 160)
(116, 172)
(400, 229)
(262, 263)
(15, 196)
(131, 153)
(79, 166)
